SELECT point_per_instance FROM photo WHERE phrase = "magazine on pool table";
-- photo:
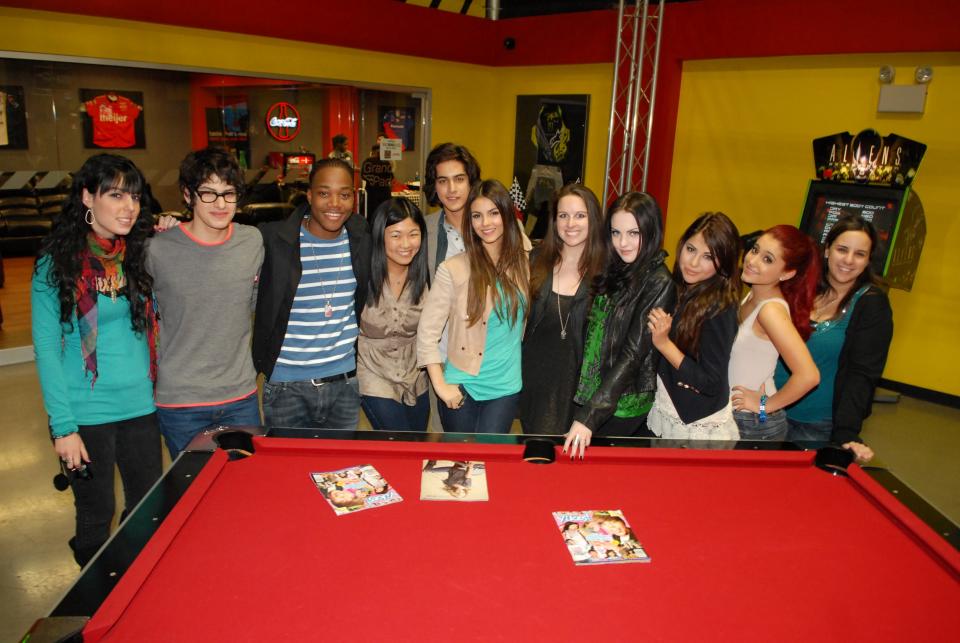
(354, 489)
(460, 480)
(599, 537)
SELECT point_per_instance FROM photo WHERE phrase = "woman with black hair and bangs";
(393, 390)
(618, 373)
(94, 337)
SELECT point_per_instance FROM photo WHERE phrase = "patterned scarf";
(102, 273)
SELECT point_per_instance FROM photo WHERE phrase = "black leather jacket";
(280, 276)
(628, 358)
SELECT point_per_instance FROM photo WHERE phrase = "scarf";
(101, 272)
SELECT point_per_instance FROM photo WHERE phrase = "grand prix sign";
(283, 121)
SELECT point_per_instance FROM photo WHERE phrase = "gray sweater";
(205, 296)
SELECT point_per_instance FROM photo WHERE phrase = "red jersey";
(113, 120)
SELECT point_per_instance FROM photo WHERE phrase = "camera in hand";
(83, 472)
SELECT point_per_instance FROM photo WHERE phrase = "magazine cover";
(355, 489)
(598, 537)
(453, 480)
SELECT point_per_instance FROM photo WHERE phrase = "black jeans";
(133, 446)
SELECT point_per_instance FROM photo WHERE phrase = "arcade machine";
(870, 175)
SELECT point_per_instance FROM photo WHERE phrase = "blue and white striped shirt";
(317, 345)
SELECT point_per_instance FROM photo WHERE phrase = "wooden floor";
(15, 302)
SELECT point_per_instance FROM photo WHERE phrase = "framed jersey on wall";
(113, 119)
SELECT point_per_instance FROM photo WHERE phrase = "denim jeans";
(305, 405)
(131, 445)
(389, 415)
(488, 416)
(773, 430)
(180, 424)
(809, 431)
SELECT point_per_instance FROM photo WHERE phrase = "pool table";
(747, 543)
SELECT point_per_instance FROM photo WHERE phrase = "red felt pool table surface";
(744, 546)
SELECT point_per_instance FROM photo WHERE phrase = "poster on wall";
(391, 149)
(549, 148)
(399, 123)
(113, 119)
(13, 118)
(228, 126)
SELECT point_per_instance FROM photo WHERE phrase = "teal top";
(499, 374)
(123, 389)
(630, 405)
(825, 344)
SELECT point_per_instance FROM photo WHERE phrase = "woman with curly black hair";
(94, 337)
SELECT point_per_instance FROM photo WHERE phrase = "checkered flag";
(517, 195)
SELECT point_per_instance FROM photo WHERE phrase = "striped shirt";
(322, 330)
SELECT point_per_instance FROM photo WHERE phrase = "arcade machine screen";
(828, 201)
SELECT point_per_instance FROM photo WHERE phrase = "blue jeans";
(389, 415)
(773, 430)
(180, 424)
(133, 447)
(488, 416)
(305, 405)
(809, 431)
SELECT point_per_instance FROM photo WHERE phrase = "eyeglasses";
(209, 196)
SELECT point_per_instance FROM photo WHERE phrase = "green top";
(825, 345)
(500, 370)
(630, 405)
(123, 389)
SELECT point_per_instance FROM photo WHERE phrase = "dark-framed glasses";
(209, 196)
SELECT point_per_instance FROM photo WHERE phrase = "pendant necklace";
(563, 322)
(328, 307)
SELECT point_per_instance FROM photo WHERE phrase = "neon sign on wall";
(283, 121)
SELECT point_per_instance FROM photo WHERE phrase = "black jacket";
(701, 387)
(628, 358)
(862, 358)
(280, 276)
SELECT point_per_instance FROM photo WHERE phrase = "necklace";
(328, 307)
(563, 322)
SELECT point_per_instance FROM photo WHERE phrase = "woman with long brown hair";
(562, 268)
(481, 297)
(692, 399)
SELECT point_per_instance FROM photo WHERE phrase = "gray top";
(206, 295)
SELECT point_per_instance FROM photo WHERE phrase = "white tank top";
(753, 359)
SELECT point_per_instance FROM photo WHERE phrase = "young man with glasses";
(205, 275)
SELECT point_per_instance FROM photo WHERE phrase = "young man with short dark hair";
(205, 275)
(312, 290)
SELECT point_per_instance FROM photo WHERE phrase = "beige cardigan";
(446, 305)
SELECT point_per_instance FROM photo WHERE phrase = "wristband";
(762, 415)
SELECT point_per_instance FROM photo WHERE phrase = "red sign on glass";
(283, 121)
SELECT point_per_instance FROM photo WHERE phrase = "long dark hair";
(799, 253)
(548, 255)
(66, 242)
(512, 269)
(710, 297)
(388, 213)
(849, 223)
(617, 274)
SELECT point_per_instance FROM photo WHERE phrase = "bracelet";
(762, 415)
